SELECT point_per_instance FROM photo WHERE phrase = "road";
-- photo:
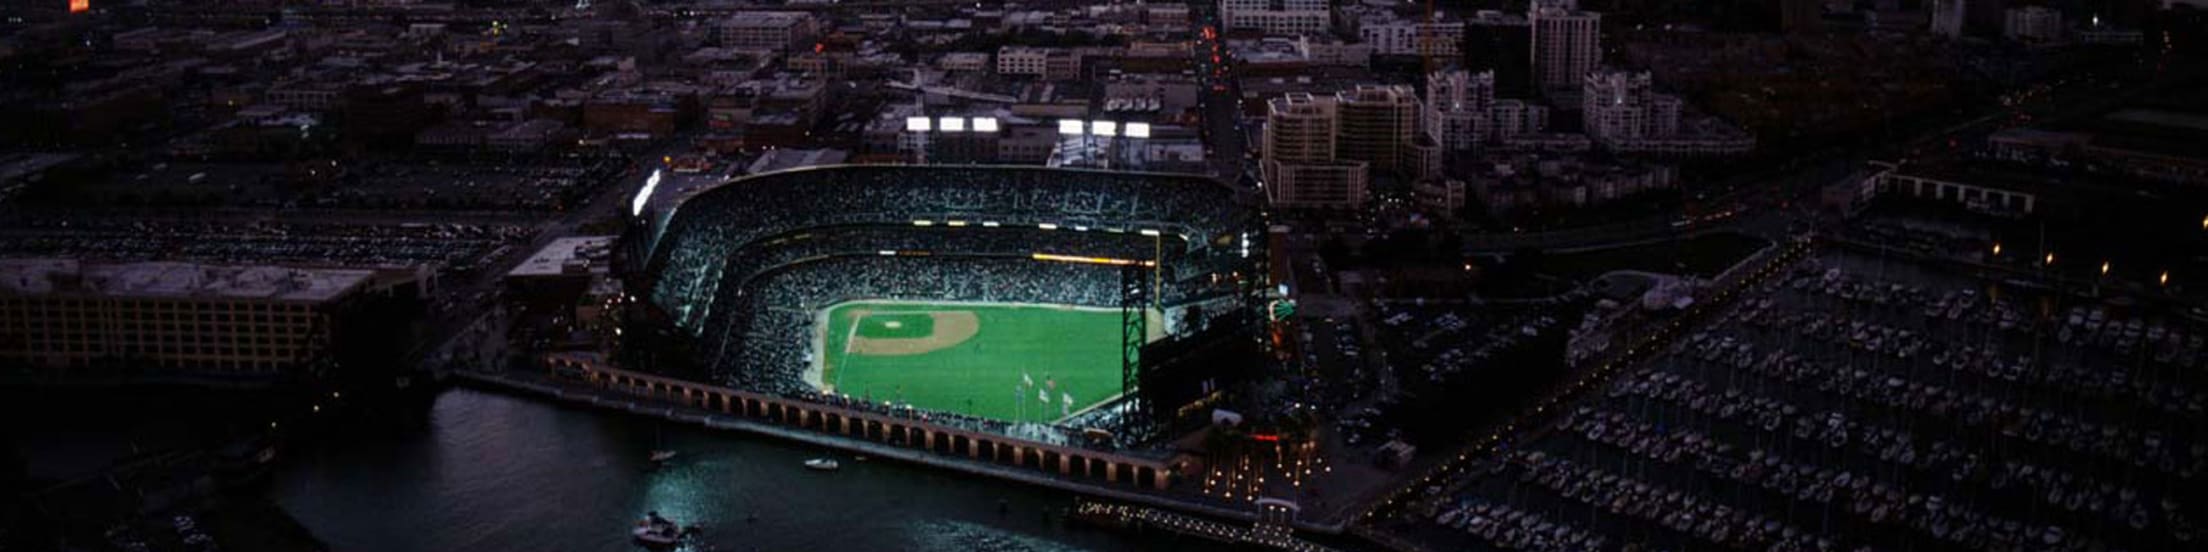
(460, 324)
(1224, 135)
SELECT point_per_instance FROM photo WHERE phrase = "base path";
(950, 329)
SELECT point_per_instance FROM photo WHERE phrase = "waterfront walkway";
(1259, 534)
(611, 399)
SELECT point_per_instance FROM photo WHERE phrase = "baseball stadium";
(1000, 294)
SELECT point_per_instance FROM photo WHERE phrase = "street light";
(1996, 248)
(2104, 268)
(2050, 258)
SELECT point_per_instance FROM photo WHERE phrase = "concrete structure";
(1506, 184)
(1457, 103)
(1023, 60)
(1463, 113)
(862, 421)
(1300, 167)
(1622, 112)
(770, 30)
(2032, 24)
(1441, 39)
(1379, 125)
(1947, 17)
(1619, 107)
(1997, 200)
(1280, 17)
(964, 61)
(248, 322)
(1567, 43)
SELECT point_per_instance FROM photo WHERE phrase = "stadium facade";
(729, 281)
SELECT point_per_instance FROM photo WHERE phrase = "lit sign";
(636, 206)
(80, 6)
(1090, 260)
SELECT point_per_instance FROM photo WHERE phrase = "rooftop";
(174, 279)
(566, 256)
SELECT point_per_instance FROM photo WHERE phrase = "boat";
(656, 531)
(663, 455)
(822, 464)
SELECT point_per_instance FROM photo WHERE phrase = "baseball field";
(1008, 362)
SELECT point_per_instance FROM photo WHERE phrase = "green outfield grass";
(971, 359)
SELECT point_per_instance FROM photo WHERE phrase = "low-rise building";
(769, 30)
(66, 319)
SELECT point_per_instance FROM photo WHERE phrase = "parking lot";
(1862, 403)
(454, 246)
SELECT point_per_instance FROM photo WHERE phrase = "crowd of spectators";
(706, 229)
(775, 252)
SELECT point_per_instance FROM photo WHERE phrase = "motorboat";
(822, 464)
(656, 531)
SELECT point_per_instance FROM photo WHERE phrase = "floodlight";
(1070, 127)
(1138, 130)
(951, 124)
(985, 124)
(916, 124)
(1104, 128)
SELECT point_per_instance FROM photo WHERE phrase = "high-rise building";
(1501, 43)
(1622, 112)
(1620, 106)
(1463, 112)
(1279, 17)
(1380, 126)
(1947, 17)
(2032, 24)
(1567, 43)
(1457, 103)
(1300, 168)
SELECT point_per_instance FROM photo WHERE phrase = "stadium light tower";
(1104, 140)
(923, 128)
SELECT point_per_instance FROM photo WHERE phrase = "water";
(497, 472)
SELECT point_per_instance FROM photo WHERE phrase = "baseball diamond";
(1019, 362)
